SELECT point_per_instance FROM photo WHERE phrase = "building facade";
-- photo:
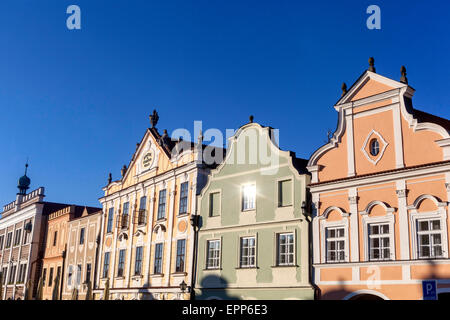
(22, 234)
(146, 234)
(380, 190)
(253, 241)
(80, 267)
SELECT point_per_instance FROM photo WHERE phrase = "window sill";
(119, 278)
(246, 268)
(160, 220)
(285, 206)
(157, 275)
(137, 276)
(212, 269)
(286, 266)
(248, 211)
(179, 274)
(184, 214)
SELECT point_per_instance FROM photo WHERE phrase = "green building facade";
(253, 240)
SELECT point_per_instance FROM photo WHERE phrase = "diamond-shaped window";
(374, 146)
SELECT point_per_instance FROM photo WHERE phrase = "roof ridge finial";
(344, 89)
(403, 78)
(371, 64)
(26, 167)
(251, 118)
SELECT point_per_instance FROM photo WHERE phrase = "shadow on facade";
(214, 287)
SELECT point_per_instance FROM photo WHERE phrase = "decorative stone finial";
(251, 118)
(124, 170)
(344, 89)
(372, 64)
(154, 118)
(403, 78)
(109, 178)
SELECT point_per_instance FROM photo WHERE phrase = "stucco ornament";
(382, 145)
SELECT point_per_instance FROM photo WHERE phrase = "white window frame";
(246, 185)
(389, 219)
(211, 192)
(207, 267)
(277, 188)
(324, 224)
(277, 251)
(439, 214)
(248, 256)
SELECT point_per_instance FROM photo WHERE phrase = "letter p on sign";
(429, 290)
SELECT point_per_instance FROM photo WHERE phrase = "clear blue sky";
(76, 102)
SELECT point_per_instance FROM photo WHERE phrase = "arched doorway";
(365, 296)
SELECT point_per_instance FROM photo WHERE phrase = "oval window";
(374, 147)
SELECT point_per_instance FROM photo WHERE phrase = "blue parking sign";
(429, 290)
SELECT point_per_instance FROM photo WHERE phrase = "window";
(50, 277)
(82, 230)
(335, 244)
(429, 236)
(157, 268)
(374, 147)
(8, 240)
(27, 233)
(181, 251)
(22, 269)
(285, 245)
(79, 274)
(106, 265)
(109, 225)
(379, 242)
(184, 197)
(1, 241)
(12, 274)
(88, 273)
(44, 276)
(162, 204)
(58, 273)
(55, 235)
(213, 254)
(4, 271)
(141, 214)
(69, 276)
(17, 237)
(285, 193)
(138, 261)
(248, 197)
(248, 252)
(214, 204)
(121, 263)
(126, 207)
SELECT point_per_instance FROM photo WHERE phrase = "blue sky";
(77, 101)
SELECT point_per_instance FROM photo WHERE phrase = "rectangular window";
(82, 230)
(121, 263)
(126, 207)
(285, 193)
(184, 197)
(26, 235)
(50, 277)
(22, 269)
(1, 241)
(429, 236)
(138, 261)
(106, 265)
(285, 245)
(79, 274)
(69, 276)
(213, 254)
(248, 197)
(214, 204)
(8, 240)
(44, 277)
(248, 252)
(55, 235)
(157, 269)
(109, 226)
(17, 237)
(12, 274)
(162, 204)
(335, 244)
(379, 242)
(4, 271)
(141, 213)
(181, 252)
(88, 273)
(58, 273)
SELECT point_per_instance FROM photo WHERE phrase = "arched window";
(374, 147)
